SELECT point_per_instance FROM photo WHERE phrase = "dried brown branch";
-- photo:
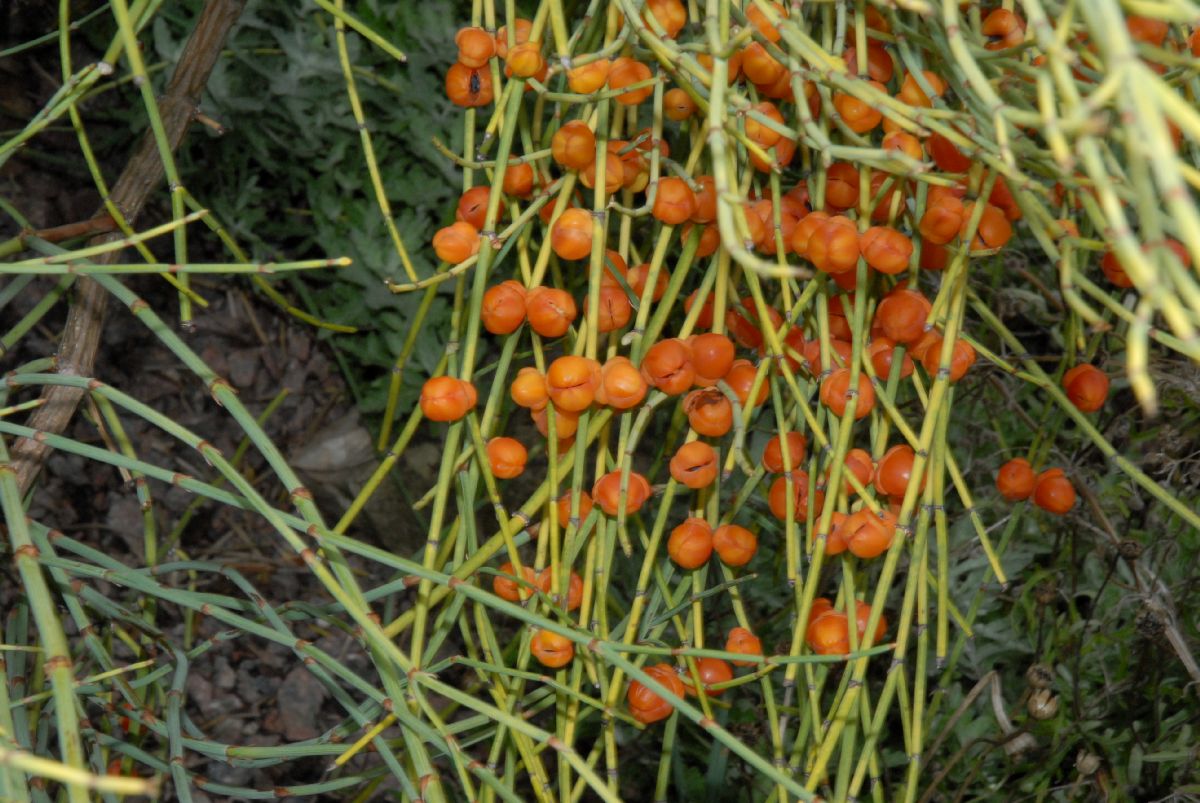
(141, 176)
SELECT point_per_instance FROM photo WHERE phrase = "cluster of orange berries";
(1086, 387)
(884, 222)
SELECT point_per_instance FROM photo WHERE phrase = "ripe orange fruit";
(475, 47)
(506, 587)
(528, 389)
(468, 87)
(1086, 387)
(503, 309)
(868, 535)
(607, 492)
(741, 378)
(646, 706)
(1053, 492)
(711, 671)
(590, 77)
(735, 545)
(551, 649)
(694, 465)
(550, 311)
(772, 456)
(668, 366)
(456, 243)
(835, 393)
(507, 457)
(574, 145)
(571, 382)
(674, 201)
(626, 72)
(446, 398)
(622, 386)
(1015, 480)
(708, 412)
(743, 642)
(691, 543)
(571, 235)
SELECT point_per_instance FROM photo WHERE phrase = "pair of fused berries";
(692, 543)
(828, 631)
(506, 586)
(1051, 490)
(469, 81)
(648, 707)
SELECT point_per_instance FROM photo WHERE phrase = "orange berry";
(507, 457)
(946, 155)
(867, 535)
(472, 206)
(545, 581)
(858, 463)
(772, 456)
(859, 115)
(678, 105)
(475, 47)
(901, 315)
(905, 143)
(456, 243)
(622, 386)
(804, 230)
(503, 309)
(742, 642)
(550, 311)
(694, 465)
(962, 357)
(1086, 387)
(639, 274)
(1003, 28)
(525, 60)
(614, 174)
(835, 393)
(801, 501)
(880, 65)
(760, 66)
(709, 412)
(564, 511)
(894, 470)
(691, 543)
(505, 585)
(994, 229)
(741, 377)
(551, 649)
(885, 249)
(834, 246)
(912, 94)
(1053, 492)
(712, 355)
(522, 30)
(758, 18)
(828, 633)
(588, 78)
(574, 145)
(615, 309)
(607, 492)
(468, 87)
(566, 423)
(446, 398)
(706, 200)
(734, 545)
(645, 705)
(518, 180)
(668, 366)
(528, 389)
(572, 382)
(942, 220)
(626, 72)
(669, 14)
(759, 132)
(882, 352)
(571, 235)
(674, 201)
(712, 671)
(1015, 480)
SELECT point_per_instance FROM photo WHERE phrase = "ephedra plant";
(718, 272)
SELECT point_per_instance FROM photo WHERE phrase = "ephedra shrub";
(739, 443)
